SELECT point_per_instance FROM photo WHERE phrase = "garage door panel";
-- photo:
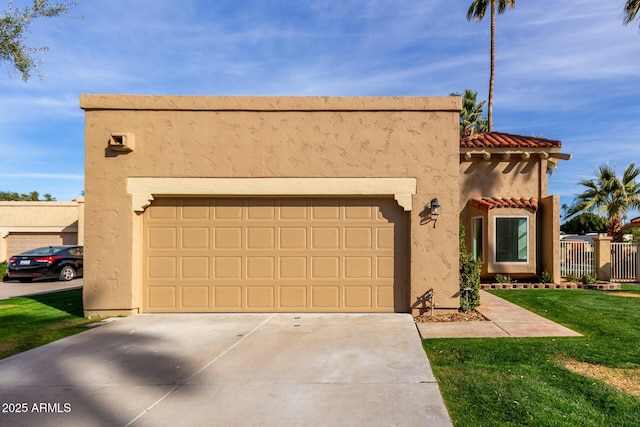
(163, 238)
(359, 297)
(261, 297)
(261, 267)
(228, 211)
(229, 267)
(325, 297)
(292, 298)
(356, 211)
(162, 267)
(293, 267)
(195, 267)
(324, 210)
(358, 267)
(292, 211)
(385, 238)
(195, 209)
(261, 238)
(162, 298)
(21, 242)
(162, 211)
(228, 238)
(228, 297)
(195, 297)
(292, 238)
(325, 267)
(357, 238)
(195, 238)
(266, 254)
(261, 210)
(385, 267)
(325, 238)
(384, 297)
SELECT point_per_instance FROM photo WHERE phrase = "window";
(477, 237)
(512, 236)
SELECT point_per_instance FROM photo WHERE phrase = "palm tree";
(471, 120)
(631, 8)
(611, 195)
(476, 12)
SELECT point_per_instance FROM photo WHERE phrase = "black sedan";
(51, 262)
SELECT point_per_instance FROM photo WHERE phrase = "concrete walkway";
(505, 320)
(228, 370)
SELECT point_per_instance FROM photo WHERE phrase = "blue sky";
(566, 70)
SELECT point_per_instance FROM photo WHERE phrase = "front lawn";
(549, 381)
(29, 322)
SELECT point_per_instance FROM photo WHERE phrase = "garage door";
(230, 255)
(20, 242)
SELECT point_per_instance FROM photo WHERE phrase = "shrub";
(545, 277)
(3, 270)
(588, 279)
(469, 277)
(572, 278)
(503, 278)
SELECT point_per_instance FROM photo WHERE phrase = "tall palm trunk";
(492, 73)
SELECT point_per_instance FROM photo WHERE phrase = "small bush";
(573, 278)
(588, 279)
(469, 277)
(545, 277)
(503, 278)
(3, 270)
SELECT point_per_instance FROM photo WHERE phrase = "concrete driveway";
(227, 370)
(13, 288)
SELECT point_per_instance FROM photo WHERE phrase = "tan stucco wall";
(247, 137)
(37, 217)
(550, 236)
(497, 178)
(515, 177)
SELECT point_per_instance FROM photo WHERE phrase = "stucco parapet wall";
(45, 204)
(143, 190)
(268, 103)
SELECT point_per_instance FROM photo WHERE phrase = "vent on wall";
(121, 142)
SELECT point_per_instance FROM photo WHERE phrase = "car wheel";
(67, 273)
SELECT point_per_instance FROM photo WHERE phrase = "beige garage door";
(229, 255)
(20, 242)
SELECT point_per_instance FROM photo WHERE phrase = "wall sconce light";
(435, 208)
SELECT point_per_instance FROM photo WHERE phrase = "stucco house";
(512, 222)
(27, 225)
(290, 204)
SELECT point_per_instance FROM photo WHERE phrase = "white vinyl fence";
(624, 257)
(576, 258)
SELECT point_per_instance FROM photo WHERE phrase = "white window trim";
(495, 241)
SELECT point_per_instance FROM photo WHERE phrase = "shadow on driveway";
(229, 369)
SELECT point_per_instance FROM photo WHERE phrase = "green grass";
(30, 322)
(510, 381)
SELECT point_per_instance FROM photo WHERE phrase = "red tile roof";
(487, 203)
(506, 140)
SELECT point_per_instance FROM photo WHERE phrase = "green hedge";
(469, 276)
(3, 269)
